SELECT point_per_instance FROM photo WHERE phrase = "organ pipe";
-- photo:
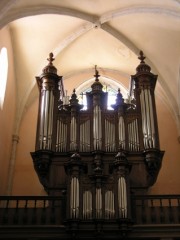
(147, 118)
(73, 134)
(97, 128)
(46, 120)
(98, 203)
(109, 205)
(85, 136)
(109, 136)
(121, 128)
(133, 136)
(87, 205)
(152, 119)
(122, 197)
(61, 137)
(74, 198)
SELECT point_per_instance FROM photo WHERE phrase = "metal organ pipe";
(50, 122)
(132, 132)
(41, 122)
(143, 115)
(84, 205)
(109, 204)
(57, 136)
(137, 135)
(129, 135)
(98, 203)
(94, 127)
(88, 135)
(74, 200)
(77, 197)
(97, 128)
(133, 135)
(46, 119)
(152, 119)
(73, 143)
(122, 197)
(71, 199)
(147, 118)
(106, 135)
(109, 136)
(64, 137)
(61, 137)
(121, 132)
(100, 127)
(87, 205)
(85, 136)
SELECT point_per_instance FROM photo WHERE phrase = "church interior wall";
(7, 113)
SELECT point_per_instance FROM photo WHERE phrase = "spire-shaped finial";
(74, 101)
(141, 56)
(142, 67)
(74, 96)
(96, 86)
(96, 74)
(119, 99)
(50, 67)
(51, 59)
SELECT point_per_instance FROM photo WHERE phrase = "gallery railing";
(32, 210)
(46, 210)
(156, 209)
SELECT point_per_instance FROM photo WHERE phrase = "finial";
(141, 57)
(74, 96)
(96, 86)
(74, 101)
(50, 59)
(50, 68)
(119, 98)
(96, 73)
(142, 67)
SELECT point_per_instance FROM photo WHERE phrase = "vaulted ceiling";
(84, 33)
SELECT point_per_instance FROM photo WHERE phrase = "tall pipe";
(122, 197)
(144, 124)
(121, 129)
(97, 128)
(151, 119)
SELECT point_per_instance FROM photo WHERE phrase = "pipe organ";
(97, 157)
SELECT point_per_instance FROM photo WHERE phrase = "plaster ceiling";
(84, 33)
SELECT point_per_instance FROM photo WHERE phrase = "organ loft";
(97, 158)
